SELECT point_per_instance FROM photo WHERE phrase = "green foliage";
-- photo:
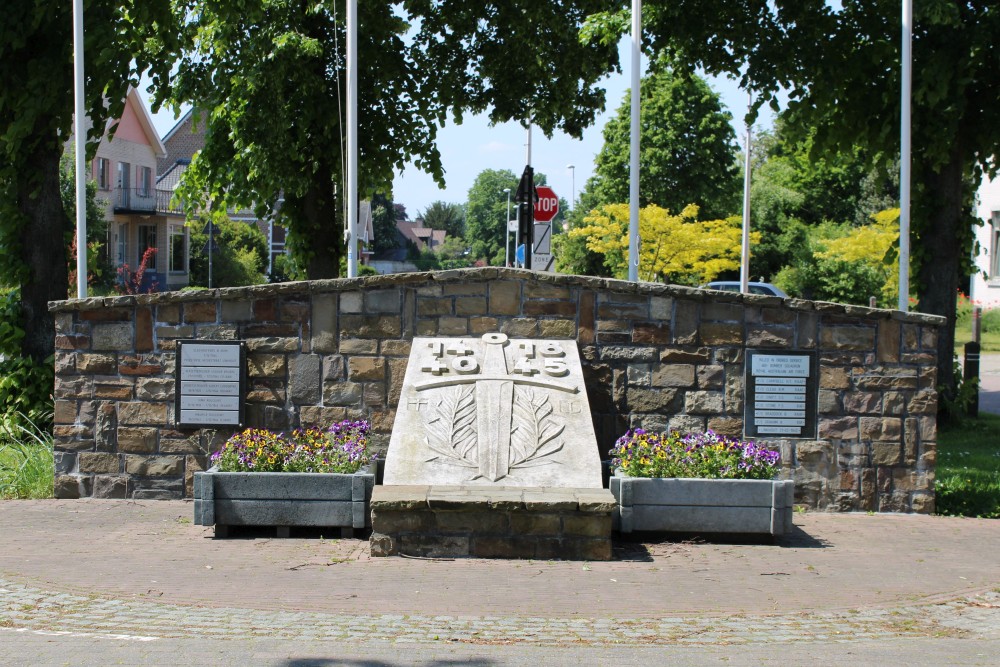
(486, 213)
(687, 147)
(100, 271)
(270, 76)
(955, 407)
(240, 256)
(27, 469)
(25, 385)
(968, 468)
(384, 223)
(124, 38)
(449, 217)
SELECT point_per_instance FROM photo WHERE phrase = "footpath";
(138, 582)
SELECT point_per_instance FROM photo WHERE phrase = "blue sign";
(519, 254)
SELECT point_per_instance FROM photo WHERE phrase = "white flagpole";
(904, 157)
(352, 138)
(80, 141)
(633, 197)
(745, 252)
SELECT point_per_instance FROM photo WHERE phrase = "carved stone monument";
(493, 411)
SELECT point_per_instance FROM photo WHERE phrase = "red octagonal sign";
(547, 205)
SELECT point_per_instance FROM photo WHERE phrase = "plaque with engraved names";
(781, 394)
(492, 410)
(210, 382)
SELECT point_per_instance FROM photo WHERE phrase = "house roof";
(135, 101)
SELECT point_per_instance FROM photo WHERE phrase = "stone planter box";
(703, 505)
(283, 500)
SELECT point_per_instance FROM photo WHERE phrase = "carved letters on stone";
(493, 411)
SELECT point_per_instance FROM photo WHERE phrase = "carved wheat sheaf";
(451, 433)
(535, 433)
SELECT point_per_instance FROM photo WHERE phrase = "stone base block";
(502, 522)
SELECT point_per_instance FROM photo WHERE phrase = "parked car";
(755, 288)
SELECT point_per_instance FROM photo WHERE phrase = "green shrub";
(26, 460)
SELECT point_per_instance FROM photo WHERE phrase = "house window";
(178, 249)
(102, 173)
(147, 239)
(124, 183)
(144, 181)
(995, 245)
(122, 245)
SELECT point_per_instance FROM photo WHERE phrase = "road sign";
(519, 254)
(547, 205)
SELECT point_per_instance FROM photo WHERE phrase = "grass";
(968, 468)
(989, 327)
(26, 460)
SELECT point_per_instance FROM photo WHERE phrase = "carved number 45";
(553, 367)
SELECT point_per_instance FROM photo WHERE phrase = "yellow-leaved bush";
(674, 248)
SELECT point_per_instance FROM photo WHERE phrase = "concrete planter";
(283, 499)
(703, 505)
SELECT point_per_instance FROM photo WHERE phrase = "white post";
(904, 158)
(745, 251)
(352, 139)
(633, 192)
(506, 232)
(572, 173)
(80, 140)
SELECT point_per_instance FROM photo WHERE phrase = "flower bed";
(309, 477)
(700, 482)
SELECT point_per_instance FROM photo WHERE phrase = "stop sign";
(547, 205)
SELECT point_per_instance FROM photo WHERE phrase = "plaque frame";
(809, 429)
(240, 366)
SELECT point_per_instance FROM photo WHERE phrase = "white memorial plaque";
(210, 383)
(491, 410)
(781, 394)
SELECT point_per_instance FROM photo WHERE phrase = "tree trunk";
(326, 237)
(43, 249)
(946, 243)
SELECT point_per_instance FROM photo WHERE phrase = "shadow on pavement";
(644, 547)
(331, 662)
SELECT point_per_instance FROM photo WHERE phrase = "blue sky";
(468, 149)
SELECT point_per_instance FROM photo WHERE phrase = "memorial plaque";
(210, 383)
(781, 390)
(492, 410)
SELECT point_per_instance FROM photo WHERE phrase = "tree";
(840, 66)
(675, 248)
(123, 38)
(384, 214)
(486, 213)
(240, 256)
(449, 217)
(687, 150)
(100, 272)
(271, 74)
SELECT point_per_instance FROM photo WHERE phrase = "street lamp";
(506, 231)
(572, 171)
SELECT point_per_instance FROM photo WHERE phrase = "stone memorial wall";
(652, 356)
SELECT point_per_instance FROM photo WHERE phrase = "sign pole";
(81, 153)
(633, 198)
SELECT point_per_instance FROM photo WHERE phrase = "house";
(424, 238)
(140, 215)
(985, 282)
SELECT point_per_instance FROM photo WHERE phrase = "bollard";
(972, 371)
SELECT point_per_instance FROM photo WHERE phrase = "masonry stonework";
(654, 356)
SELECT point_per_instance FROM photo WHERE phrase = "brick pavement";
(103, 568)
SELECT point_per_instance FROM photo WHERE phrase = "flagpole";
(80, 144)
(352, 139)
(904, 157)
(633, 198)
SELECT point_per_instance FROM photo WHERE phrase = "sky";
(468, 149)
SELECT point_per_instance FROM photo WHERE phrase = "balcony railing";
(140, 200)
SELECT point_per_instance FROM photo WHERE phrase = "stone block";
(828, 402)
(886, 453)
(701, 355)
(96, 363)
(628, 311)
(520, 327)
(651, 400)
(304, 381)
(771, 336)
(352, 302)
(366, 369)
(453, 326)
(434, 307)
(710, 377)
(154, 466)
(841, 428)
(886, 428)
(266, 365)
(68, 487)
(834, 377)
(730, 426)
(314, 415)
(673, 375)
(273, 344)
(888, 342)
(137, 440)
(714, 333)
(140, 366)
(470, 305)
(923, 403)
(862, 402)
(535, 523)
(110, 486)
(847, 338)
(200, 311)
(703, 402)
(383, 300)
(98, 463)
(154, 389)
(64, 412)
(341, 393)
(112, 336)
(505, 298)
(372, 326)
(153, 414)
(73, 387)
